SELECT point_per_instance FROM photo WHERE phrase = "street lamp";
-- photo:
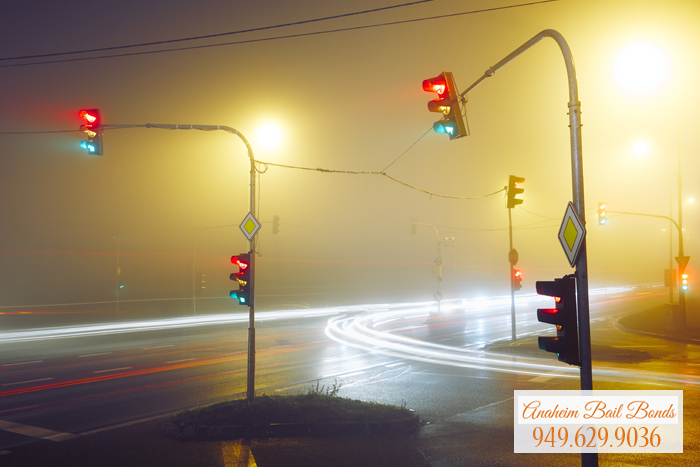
(640, 68)
(269, 135)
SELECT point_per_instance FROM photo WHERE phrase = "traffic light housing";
(93, 129)
(517, 279)
(684, 281)
(513, 190)
(564, 316)
(242, 277)
(602, 215)
(447, 104)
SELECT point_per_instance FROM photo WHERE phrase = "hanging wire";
(384, 174)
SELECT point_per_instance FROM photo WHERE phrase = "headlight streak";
(359, 332)
(355, 333)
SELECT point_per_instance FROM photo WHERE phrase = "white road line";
(237, 454)
(346, 375)
(122, 425)
(94, 354)
(24, 382)
(158, 347)
(20, 408)
(395, 364)
(547, 377)
(113, 369)
(185, 360)
(22, 363)
(4, 452)
(35, 432)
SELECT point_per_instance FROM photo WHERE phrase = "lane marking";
(22, 363)
(4, 452)
(113, 369)
(346, 375)
(184, 360)
(35, 432)
(547, 377)
(237, 454)
(122, 425)
(158, 347)
(20, 408)
(395, 364)
(94, 354)
(23, 382)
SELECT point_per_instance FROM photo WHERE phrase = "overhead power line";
(288, 36)
(209, 36)
(384, 174)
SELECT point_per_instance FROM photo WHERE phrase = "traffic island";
(312, 414)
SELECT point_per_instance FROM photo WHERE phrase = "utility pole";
(439, 259)
(250, 392)
(682, 262)
(574, 106)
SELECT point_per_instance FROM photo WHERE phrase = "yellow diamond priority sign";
(250, 226)
(571, 234)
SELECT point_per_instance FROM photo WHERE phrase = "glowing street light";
(641, 67)
(269, 135)
(640, 148)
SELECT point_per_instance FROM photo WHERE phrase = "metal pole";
(251, 320)
(251, 317)
(512, 281)
(670, 248)
(587, 460)
(681, 292)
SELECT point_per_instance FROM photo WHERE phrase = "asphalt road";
(59, 387)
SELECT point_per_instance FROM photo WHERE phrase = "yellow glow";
(641, 67)
(269, 135)
(640, 148)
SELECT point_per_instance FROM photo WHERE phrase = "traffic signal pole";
(681, 292)
(587, 459)
(512, 279)
(250, 383)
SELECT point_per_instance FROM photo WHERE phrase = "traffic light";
(517, 279)
(602, 219)
(564, 316)
(275, 224)
(242, 277)
(513, 182)
(684, 281)
(93, 129)
(447, 103)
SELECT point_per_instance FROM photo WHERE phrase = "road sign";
(682, 262)
(250, 226)
(571, 234)
(513, 256)
(437, 296)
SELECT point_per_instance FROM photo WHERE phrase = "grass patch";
(317, 406)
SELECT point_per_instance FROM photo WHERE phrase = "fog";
(347, 101)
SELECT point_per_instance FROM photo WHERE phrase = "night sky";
(346, 100)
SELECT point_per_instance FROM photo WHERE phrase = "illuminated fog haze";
(350, 101)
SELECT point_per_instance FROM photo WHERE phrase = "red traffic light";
(437, 84)
(241, 263)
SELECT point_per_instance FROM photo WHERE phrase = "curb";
(288, 429)
(658, 336)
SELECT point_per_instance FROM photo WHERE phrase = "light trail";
(361, 332)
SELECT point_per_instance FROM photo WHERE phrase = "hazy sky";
(348, 100)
